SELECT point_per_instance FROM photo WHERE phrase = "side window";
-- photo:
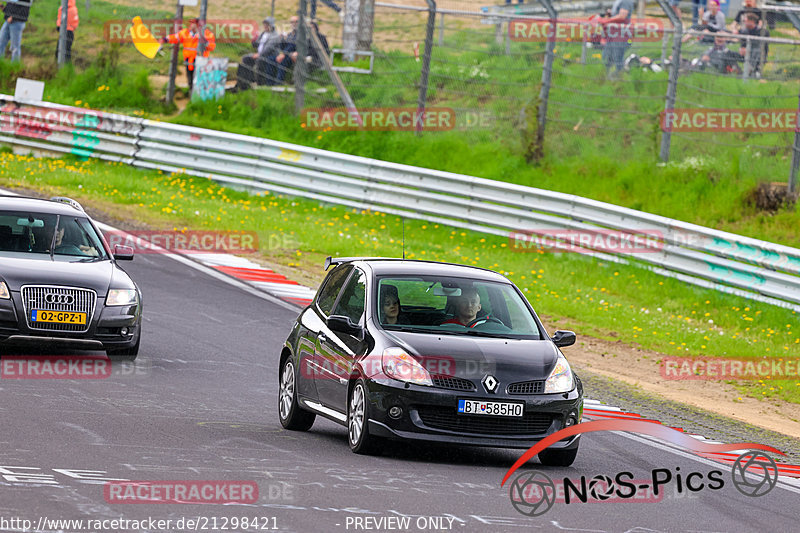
(351, 304)
(327, 296)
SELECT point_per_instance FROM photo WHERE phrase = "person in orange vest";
(189, 38)
(72, 25)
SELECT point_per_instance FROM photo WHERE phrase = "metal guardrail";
(695, 254)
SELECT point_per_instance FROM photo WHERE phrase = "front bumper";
(429, 414)
(104, 332)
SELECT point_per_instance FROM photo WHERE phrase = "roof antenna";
(404, 238)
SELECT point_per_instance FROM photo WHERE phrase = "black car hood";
(508, 360)
(17, 272)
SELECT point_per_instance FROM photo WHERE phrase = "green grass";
(607, 301)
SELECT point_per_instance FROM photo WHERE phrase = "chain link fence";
(502, 72)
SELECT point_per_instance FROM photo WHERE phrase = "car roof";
(408, 267)
(38, 205)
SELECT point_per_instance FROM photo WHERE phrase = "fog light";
(123, 331)
(396, 412)
(570, 421)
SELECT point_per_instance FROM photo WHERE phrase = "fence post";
(300, 64)
(441, 29)
(583, 52)
(795, 157)
(426, 64)
(748, 49)
(62, 34)
(173, 63)
(547, 76)
(201, 47)
(352, 16)
(672, 85)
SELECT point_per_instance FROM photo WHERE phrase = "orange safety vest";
(190, 42)
(72, 16)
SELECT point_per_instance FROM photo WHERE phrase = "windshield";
(38, 233)
(456, 306)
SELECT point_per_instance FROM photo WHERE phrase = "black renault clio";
(428, 351)
(60, 282)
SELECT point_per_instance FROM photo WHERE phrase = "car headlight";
(560, 379)
(4, 294)
(399, 365)
(121, 297)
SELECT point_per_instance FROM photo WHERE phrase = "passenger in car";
(390, 306)
(468, 305)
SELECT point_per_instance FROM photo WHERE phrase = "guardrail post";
(547, 76)
(300, 65)
(62, 34)
(426, 64)
(173, 62)
(672, 84)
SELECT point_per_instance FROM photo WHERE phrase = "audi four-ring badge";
(60, 282)
(418, 350)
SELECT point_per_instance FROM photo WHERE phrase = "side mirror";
(562, 338)
(123, 253)
(343, 324)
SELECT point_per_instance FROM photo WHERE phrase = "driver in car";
(69, 248)
(467, 307)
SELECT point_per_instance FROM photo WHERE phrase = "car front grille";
(452, 383)
(526, 387)
(446, 418)
(33, 297)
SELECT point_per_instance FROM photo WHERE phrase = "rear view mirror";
(30, 222)
(562, 338)
(446, 291)
(123, 253)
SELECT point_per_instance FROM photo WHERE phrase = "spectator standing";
(758, 49)
(749, 7)
(72, 25)
(615, 48)
(15, 16)
(331, 4)
(698, 7)
(189, 38)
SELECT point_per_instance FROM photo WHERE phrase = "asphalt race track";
(200, 403)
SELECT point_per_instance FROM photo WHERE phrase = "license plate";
(58, 317)
(485, 407)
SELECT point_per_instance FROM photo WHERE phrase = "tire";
(358, 436)
(557, 457)
(289, 412)
(125, 354)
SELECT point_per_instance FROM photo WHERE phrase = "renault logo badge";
(490, 383)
